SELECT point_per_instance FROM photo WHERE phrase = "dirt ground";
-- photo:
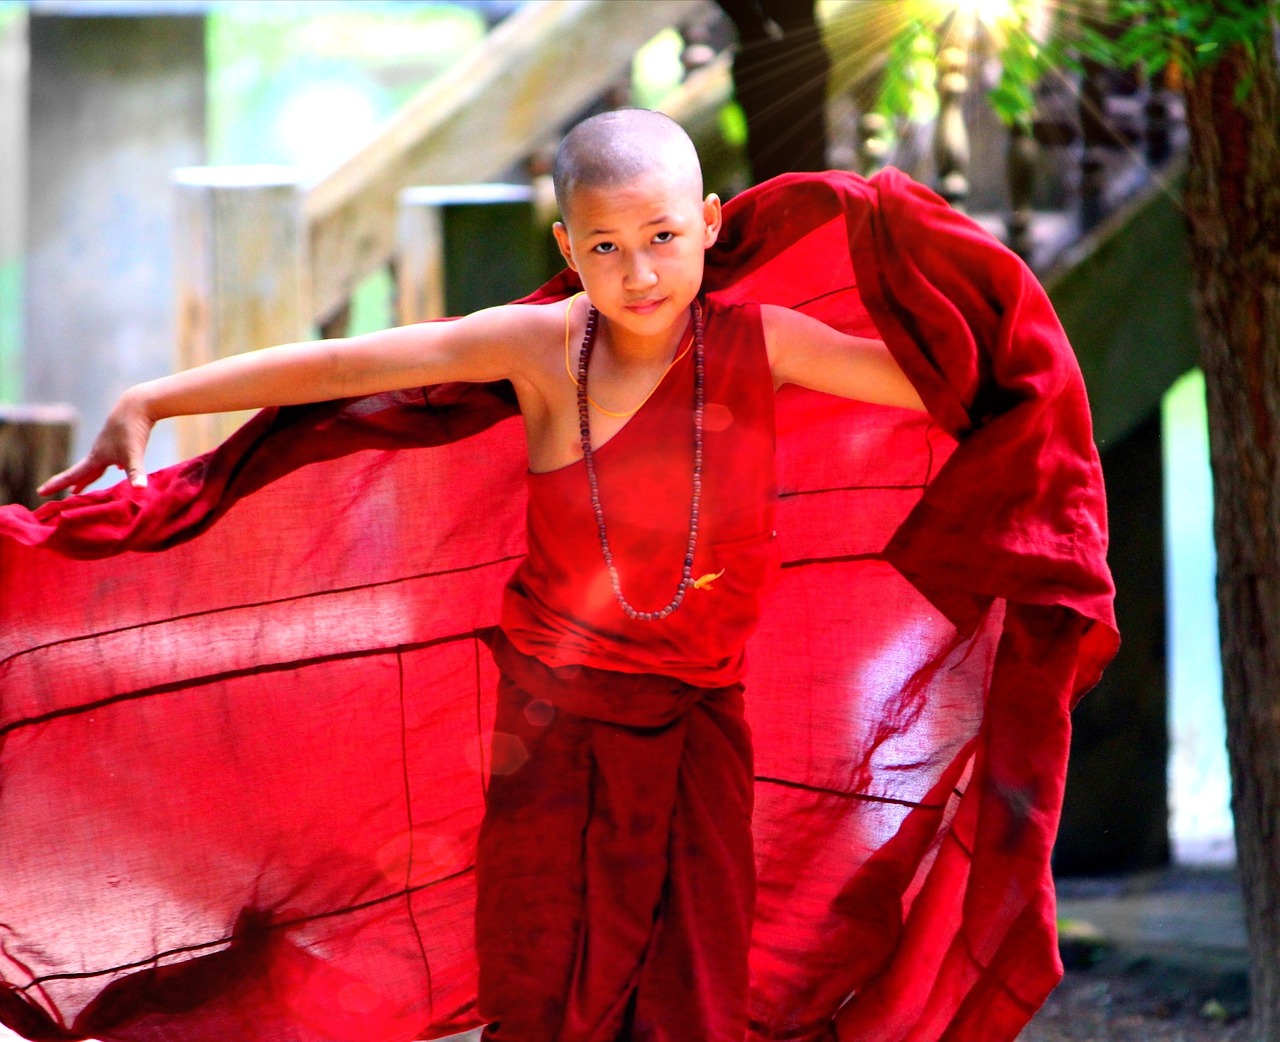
(1111, 1003)
(1150, 957)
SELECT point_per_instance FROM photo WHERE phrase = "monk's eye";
(604, 247)
(664, 237)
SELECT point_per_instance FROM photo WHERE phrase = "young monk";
(242, 708)
(614, 871)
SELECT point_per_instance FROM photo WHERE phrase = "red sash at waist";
(635, 700)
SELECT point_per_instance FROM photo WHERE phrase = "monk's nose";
(641, 274)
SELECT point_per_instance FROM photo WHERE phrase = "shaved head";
(614, 148)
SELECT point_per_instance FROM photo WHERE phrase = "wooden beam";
(857, 34)
(533, 73)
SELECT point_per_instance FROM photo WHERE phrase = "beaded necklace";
(584, 427)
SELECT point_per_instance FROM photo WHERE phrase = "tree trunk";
(780, 80)
(1233, 210)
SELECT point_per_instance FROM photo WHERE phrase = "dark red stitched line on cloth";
(260, 604)
(408, 814)
(866, 797)
(230, 674)
(928, 476)
(801, 562)
(823, 296)
(283, 924)
(998, 981)
(484, 767)
(852, 488)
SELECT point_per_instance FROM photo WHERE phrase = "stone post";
(241, 274)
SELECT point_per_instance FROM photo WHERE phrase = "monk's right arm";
(481, 347)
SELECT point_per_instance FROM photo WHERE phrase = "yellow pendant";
(704, 582)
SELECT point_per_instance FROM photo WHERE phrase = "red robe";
(241, 778)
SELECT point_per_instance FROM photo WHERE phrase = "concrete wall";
(115, 105)
(13, 171)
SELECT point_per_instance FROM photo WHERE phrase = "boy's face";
(638, 248)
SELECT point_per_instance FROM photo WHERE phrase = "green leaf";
(732, 122)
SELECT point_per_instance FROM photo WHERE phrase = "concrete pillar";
(13, 186)
(115, 104)
(1115, 817)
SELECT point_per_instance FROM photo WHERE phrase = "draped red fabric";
(242, 775)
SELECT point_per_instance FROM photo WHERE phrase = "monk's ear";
(562, 240)
(712, 217)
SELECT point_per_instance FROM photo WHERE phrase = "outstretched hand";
(121, 443)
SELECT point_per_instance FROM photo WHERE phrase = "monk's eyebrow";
(664, 219)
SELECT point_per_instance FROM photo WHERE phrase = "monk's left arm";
(805, 351)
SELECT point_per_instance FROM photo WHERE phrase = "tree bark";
(1233, 211)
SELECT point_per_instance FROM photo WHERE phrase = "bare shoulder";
(521, 326)
(533, 333)
(529, 339)
(502, 343)
(781, 319)
(518, 338)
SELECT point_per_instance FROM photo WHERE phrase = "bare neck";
(629, 351)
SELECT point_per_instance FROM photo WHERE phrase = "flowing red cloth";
(241, 777)
(560, 606)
